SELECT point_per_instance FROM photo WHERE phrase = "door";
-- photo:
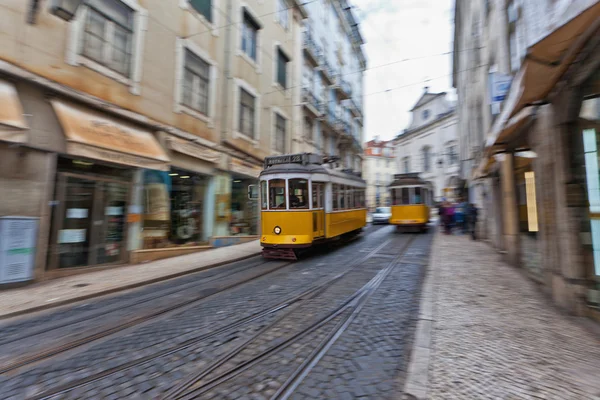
(89, 226)
(318, 204)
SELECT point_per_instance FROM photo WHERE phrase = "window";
(417, 198)
(452, 155)
(335, 197)
(343, 201)
(249, 36)
(282, 13)
(405, 196)
(406, 165)
(377, 177)
(264, 197)
(282, 63)
(425, 114)
(376, 151)
(308, 128)
(426, 159)
(277, 194)
(298, 193)
(108, 35)
(247, 109)
(204, 7)
(279, 133)
(196, 79)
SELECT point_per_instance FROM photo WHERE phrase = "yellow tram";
(411, 201)
(305, 201)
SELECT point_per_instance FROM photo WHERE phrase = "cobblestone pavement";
(495, 336)
(391, 308)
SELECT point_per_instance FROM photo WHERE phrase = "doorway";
(89, 225)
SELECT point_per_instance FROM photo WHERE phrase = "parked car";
(382, 215)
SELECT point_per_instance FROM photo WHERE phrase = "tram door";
(318, 205)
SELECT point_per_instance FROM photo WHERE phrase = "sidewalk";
(486, 332)
(79, 287)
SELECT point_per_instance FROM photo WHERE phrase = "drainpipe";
(226, 72)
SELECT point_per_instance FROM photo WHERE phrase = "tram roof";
(304, 163)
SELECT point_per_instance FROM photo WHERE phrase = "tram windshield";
(410, 196)
(277, 194)
(298, 193)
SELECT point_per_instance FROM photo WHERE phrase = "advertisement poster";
(17, 248)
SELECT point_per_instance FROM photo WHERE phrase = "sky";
(396, 31)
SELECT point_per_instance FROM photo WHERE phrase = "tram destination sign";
(303, 158)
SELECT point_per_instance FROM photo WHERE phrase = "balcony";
(344, 128)
(343, 89)
(311, 48)
(311, 102)
(326, 70)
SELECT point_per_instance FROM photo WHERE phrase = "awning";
(194, 150)
(12, 121)
(95, 135)
(503, 133)
(483, 168)
(548, 60)
(242, 167)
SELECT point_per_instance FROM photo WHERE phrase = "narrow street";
(336, 324)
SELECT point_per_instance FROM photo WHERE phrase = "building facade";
(332, 115)
(136, 130)
(379, 167)
(429, 145)
(537, 163)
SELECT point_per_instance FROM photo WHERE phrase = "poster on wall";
(17, 248)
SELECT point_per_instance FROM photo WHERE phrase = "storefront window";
(173, 208)
(277, 194)
(244, 211)
(264, 198)
(298, 193)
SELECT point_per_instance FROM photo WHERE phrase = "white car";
(382, 215)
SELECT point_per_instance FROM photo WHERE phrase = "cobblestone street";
(336, 324)
(495, 336)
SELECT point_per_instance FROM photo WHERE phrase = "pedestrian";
(472, 219)
(450, 212)
(459, 216)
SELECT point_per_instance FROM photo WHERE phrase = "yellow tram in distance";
(305, 201)
(411, 201)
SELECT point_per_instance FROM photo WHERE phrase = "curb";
(417, 379)
(123, 288)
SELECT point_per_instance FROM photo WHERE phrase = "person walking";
(472, 219)
(459, 216)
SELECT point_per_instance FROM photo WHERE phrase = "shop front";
(92, 202)
(237, 209)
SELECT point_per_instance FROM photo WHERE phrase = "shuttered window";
(247, 110)
(196, 82)
(204, 7)
(282, 62)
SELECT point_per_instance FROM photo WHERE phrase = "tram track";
(287, 303)
(192, 388)
(205, 294)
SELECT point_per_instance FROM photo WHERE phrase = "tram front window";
(263, 195)
(298, 193)
(277, 194)
(418, 196)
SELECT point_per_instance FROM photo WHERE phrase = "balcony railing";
(311, 47)
(326, 68)
(309, 98)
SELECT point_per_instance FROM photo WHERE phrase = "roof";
(426, 98)
(408, 180)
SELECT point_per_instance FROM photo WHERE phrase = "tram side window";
(277, 194)
(342, 197)
(334, 196)
(264, 198)
(405, 196)
(350, 197)
(417, 197)
(298, 193)
(315, 196)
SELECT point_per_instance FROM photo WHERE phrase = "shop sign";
(244, 168)
(499, 87)
(17, 248)
(194, 150)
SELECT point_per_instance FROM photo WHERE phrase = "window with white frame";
(308, 128)
(406, 165)
(283, 13)
(247, 113)
(250, 30)
(108, 34)
(282, 66)
(279, 133)
(204, 7)
(452, 155)
(426, 158)
(196, 82)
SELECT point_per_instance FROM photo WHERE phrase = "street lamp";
(64, 9)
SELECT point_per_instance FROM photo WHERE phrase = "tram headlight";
(277, 230)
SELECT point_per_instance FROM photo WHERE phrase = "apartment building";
(332, 116)
(135, 130)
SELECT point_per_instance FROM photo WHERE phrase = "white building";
(332, 80)
(429, 145)
(379, 168)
